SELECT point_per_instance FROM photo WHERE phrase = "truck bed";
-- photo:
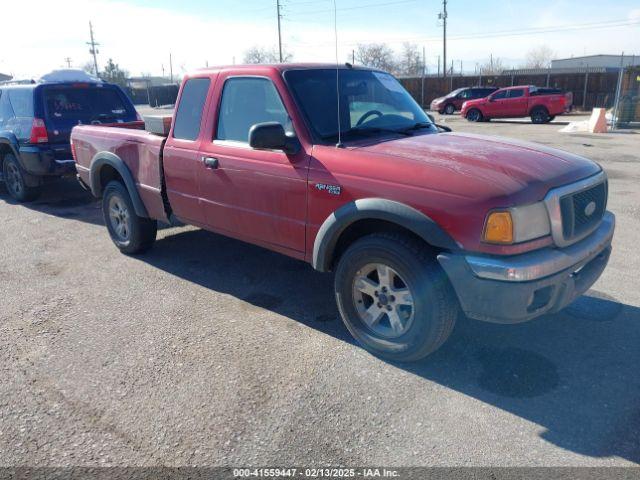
(140, 150)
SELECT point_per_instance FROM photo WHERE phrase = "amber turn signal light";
(498, 228)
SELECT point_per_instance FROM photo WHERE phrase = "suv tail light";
(38, 132)
(73, 150)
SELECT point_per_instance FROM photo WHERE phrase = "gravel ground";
(209, 351)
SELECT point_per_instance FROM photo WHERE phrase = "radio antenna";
(335, 31)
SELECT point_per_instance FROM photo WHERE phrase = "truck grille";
(583, 210)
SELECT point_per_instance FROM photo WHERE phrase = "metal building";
(605, 61)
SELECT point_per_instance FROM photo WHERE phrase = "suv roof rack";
(26, 81)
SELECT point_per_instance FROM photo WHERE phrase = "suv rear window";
(85, 104)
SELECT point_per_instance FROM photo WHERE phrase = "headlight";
(517, 224)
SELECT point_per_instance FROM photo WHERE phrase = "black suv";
(453, 101)
(35, 125)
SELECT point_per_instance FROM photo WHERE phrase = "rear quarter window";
(189, 112)
(21, 101)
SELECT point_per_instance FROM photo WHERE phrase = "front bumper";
(521, 287)
(44, 161)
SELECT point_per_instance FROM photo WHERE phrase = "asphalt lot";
(208, 351)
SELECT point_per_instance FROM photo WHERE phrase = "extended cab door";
(255, 195)
(181, 154)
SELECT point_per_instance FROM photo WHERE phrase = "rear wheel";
(394, 298)
(130, 233)
(474, 115)
(540, 115)
(14, 179)
(449, 109)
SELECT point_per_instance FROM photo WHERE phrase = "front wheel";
(14, 179)
(474, 115)
(130, 233)
(394, 298)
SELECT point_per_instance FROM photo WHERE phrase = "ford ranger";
(541, 104)
(341, 168)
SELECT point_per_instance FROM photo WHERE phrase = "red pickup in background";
(541, 104)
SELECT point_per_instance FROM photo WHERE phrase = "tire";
(424, 315)
(449, 109)
(539, 115)
(129, 232)
(14, 180)
(474, 115)
(551, 118)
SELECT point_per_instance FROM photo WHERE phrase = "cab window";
(516, 93)
(245, 102)
(500, 94)
(189, 113)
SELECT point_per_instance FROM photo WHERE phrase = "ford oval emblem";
(590, 208)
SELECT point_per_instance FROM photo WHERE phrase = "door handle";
(210, 162)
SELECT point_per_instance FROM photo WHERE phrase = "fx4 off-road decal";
(332, 189)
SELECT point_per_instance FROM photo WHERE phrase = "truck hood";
(481, 167)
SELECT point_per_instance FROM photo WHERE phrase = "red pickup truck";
(541, 104)
(416, 222)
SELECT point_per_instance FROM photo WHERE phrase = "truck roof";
(282, 67)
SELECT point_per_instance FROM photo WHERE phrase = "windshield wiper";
(417, 126)
(377, 130)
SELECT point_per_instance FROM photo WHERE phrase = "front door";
(495, 106)
(254, 195)
(515, 104)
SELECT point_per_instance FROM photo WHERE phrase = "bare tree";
(258, 54)
(539, 57)
(494, 66)
(410, 63)
(376, 55)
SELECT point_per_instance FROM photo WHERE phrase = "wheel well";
(361, 228)
(539, 107)
(4, 150)
(107, 174)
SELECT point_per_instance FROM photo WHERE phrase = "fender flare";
(9, 139)
(107, 158)
(375, 209)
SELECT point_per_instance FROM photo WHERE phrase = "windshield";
(370, 103)
(455, 92)
(85, 104)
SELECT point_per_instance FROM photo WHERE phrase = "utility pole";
(170, 68)
(93, 50)
(162, 66)
(278, 6)
(353, 57)
(443, 16)
(424, 71)
(438, 65)
(68, 61)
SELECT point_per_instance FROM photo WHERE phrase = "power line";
(358, 7)
(506, 33)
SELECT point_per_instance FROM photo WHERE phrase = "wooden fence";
(600, 88)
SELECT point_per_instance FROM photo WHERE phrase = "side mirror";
(271, 136)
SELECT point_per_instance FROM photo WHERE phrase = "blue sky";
(138, 34)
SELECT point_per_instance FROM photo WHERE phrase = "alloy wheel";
(119, 218)
(383, 300)
(14, 179)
